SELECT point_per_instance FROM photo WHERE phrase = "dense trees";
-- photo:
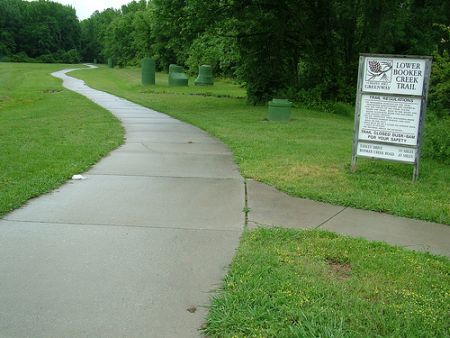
(93, 34)
(301, 49)
(45, 30)
(309, 49)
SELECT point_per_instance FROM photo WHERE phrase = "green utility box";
(110, 63)
(148, 71)
(177, 76)
(205, 76)
(279, 110)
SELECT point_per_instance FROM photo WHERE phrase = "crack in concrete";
(121, 225)
(301, 227)
(148, 148)
(261, 224)
(329, 219)
(175, 177)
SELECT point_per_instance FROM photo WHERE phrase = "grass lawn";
(47, 133)
(294, 283)
(308, 157)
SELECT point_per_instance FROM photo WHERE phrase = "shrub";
(215, 50)
(437, 138)
(21, 57)
(71, 56)
(46, 58)
(440, 85)
(61, 56)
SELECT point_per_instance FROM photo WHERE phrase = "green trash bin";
(110, 63)
(148, 71)
(177, 76)
(279, 110)
(205, 76)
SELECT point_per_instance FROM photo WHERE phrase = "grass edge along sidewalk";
(311, 283)
(308, 157)
(47, 133)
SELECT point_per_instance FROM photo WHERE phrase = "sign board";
(390, 108)
(394, 75)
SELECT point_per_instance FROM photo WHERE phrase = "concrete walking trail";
(269, 207)
(124, 253)
(150, 232)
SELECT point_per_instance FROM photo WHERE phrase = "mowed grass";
(47, 133)
(294, 283)
(307, 157)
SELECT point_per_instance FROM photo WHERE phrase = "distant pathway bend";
(135, 249)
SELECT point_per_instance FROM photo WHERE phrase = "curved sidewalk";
(269, 207)
(135, 249)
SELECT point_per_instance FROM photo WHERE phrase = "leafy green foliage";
(288, 47)
(212, 48)
(120, 46)
(142, 24)
(38, 28)
(440, 84)
(437, 138)
(90, 39)
(269, 44)
(166, 32)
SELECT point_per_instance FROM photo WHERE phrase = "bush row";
(61, 56)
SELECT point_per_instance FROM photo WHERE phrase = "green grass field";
(308, 157)
(47, 133)
(294, 283)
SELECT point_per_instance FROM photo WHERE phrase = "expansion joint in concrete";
(246, 208)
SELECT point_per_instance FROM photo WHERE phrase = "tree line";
(301, 49)
(40, 31)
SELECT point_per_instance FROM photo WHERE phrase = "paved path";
(269, 207)
(127, 251)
